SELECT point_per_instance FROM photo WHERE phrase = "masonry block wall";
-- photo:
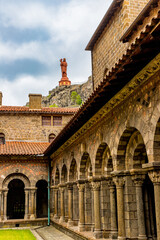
(108, 48)
(23, 127)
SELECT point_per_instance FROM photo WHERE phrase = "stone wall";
(108, 48)
(28, 127)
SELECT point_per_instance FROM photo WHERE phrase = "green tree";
(78, 100)
(74, 97)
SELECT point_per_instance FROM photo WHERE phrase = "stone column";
(32, 194)
(119, 181)
(1, 202)
(155, 178)
(113, 209)
(51, 201)
(70, 205)
(2, 205)
(55, 203)
(97, 215)
(81, 225)
(138, 180)
(62, 217)
(5, 203)
(26, 204)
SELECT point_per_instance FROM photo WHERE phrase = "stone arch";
(73, 170)
(85, 166)
(156, 144)
(136, 152)
(103, 161)
(57, 177)
(18, 176)
(122, 147)
(64, 174)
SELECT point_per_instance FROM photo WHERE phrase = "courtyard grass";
(16, 235)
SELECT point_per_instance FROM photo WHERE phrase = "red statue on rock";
(64, 80)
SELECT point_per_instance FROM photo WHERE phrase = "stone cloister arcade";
(112, 189)
(21, 197)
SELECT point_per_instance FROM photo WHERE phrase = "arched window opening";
(2, 138)
(42, 198)
(52, 136)
(16, 200)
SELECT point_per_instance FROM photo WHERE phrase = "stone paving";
(51, 233)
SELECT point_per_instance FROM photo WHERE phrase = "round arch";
(136, 154)
(18, 176)
(85, 166)
(64, 174)
(73, 171)
(103, 161)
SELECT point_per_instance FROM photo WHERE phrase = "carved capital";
(96, 186)
(138, 179)
(111, 183)
(119, 181)
(62, 189)
(70, 186)
(155, 176)
(81, 187)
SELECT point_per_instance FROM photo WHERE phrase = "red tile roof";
(56, 110)
(23, 148)
(139, 20)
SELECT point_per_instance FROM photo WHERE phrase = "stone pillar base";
(70, 223)
(32, 216)
(81, 227)
(55, 217)
(26, 216)
(62, 219)
(97, 234)
(121, 238)
(113, 235)
(142, 237)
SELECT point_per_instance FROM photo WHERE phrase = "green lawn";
(16, 235)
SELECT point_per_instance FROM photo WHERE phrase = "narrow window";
(46, 120)
(51, 137)
(2, 138)
(57, 121)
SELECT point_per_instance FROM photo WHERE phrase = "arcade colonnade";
(112, 196)
(25, 202)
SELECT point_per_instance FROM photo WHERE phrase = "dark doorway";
(16, 200)
(42, 199)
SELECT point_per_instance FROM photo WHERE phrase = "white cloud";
(69, 27)
(21, 87)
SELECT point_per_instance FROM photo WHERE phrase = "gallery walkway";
(51, 233)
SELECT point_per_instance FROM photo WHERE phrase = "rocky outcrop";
(61, 96)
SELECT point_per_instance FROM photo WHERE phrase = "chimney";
(35, 101)
(1, 95)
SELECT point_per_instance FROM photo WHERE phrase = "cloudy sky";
(35, 34)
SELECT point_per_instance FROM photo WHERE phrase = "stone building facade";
(25, 132)
(106, 167)
(104, 164)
